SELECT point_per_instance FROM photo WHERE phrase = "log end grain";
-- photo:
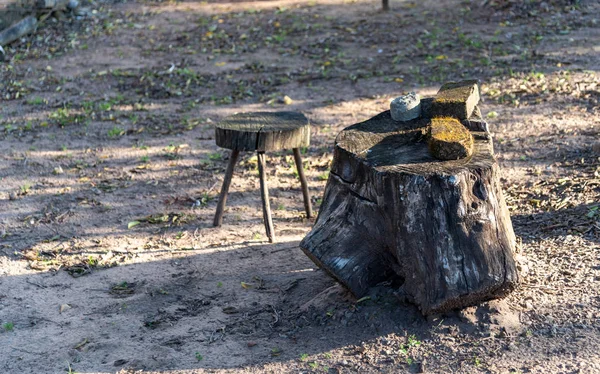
(263, 131)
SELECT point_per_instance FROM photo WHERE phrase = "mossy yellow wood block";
(456, 99)
(449, 139)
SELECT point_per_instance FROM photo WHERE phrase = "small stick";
(35, 284)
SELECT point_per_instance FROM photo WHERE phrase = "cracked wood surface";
(263, 131)
(391, 211)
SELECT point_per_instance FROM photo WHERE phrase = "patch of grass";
(36, 101)
(205, 199)
(9, 128)
(8, 326)
(115, 132)
(105, 106)
(413, 341)
(92, 261)
(63, 117)
(215, 156)
(199, 357)
(88, 107)
(323, 176)
(25, 188)
(145, 159)
(172, 151)
(303, 356)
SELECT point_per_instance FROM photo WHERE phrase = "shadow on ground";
(245, 305)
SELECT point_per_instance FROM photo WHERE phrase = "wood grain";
(263, 131)
(391, 211)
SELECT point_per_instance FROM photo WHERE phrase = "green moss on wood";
(449, 139)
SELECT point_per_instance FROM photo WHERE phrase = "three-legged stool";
(262, 132)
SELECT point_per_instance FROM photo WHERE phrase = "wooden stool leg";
(264, 193)
(307, 204)
(225, 188)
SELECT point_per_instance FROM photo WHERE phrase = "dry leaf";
(247, 285)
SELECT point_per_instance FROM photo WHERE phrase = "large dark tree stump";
(391, 210)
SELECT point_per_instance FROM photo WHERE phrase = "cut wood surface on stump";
(392, 211)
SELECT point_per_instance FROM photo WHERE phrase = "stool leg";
(225, 188)
(307, 204)
(264, 193)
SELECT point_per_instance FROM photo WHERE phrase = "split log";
(391, 211)
(19, 29)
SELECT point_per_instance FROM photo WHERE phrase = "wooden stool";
(262, 132)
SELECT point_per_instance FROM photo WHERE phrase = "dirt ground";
(109, 175)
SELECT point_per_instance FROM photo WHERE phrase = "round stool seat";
(263, 131)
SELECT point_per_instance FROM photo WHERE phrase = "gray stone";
(406, 108)
(73, 4)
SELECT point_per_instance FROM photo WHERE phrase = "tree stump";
(391, 211)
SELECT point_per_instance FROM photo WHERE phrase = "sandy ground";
(108, 119)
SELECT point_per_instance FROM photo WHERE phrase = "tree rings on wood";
(263, 131)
